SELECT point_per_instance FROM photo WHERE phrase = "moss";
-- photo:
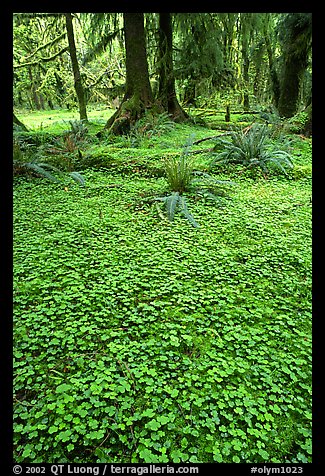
(297, 123)
(301, 171)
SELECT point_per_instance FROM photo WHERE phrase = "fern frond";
(171, 203)
(160, 213)
(40, 170)
(45, 165)
(179, 172)
(252, 150)
(186, 213)
(284, 157)
(77, 177)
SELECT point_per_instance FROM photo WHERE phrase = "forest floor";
(143, 340)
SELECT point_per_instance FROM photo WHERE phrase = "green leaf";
(63, 388)
(53, 429)
(265, 455)
(153, 425)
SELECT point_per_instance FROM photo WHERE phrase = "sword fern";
(252, 148)
(182, 178)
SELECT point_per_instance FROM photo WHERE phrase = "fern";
(77, 177)
(150, 125)
(171, 203)
(182, 178)
(43, 169)
(186, 213)
(39, 168)
(252, 149)
(179, 173)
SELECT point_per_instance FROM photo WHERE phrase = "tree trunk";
(75, 67)
(189, 93)
(246, 80)
(295, 60)
(275, 83)
(245, 39)
(167, 94)
(138, 94)
(34, 97)
(19, 123)
(308, 127)
(288, 100)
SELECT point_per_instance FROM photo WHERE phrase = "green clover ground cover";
(140, 340)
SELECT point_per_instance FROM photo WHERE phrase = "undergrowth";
(142, 340)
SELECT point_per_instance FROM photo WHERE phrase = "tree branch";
(211, 137)
(45, 60)
(50, 43)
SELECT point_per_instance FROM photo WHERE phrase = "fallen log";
(211, 138)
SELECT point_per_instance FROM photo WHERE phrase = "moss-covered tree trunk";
(138, 94)
(246, 26)
(19, 123)
(75, 67)
(290, 87)
(167, 94)
(308, 127)
(246, 79)
(274, 78)
(297, 44)
(34, 97)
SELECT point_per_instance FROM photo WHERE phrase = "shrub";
(252, 148)
(301, 171)
(23, 164)
(179, 172)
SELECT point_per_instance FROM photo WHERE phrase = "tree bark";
(189, 93)
(75, 67)
(138, 94)
(246, 63)
(167, 94)
(245, 31)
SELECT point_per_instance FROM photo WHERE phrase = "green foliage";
(179, 172)
(301, 172)
(23, 164)
(151, 125)
(173, 202)
(297, 123)
(182, 177)
(79, 130)
(251, 148)
(140, 341)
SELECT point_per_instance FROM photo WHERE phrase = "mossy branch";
(45, 60)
